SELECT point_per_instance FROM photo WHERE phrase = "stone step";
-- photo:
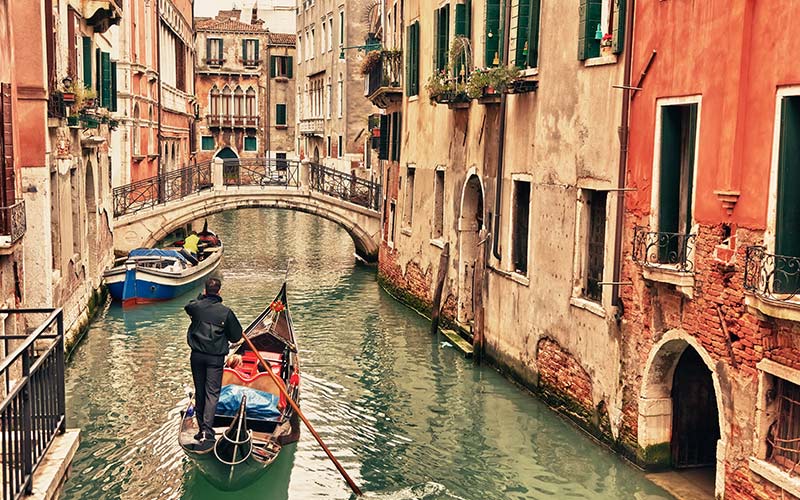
(458, 342)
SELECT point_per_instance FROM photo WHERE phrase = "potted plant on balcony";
(370, 62)
(605, 45)
(489, 83)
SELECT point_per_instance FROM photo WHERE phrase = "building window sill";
(513, 276)
(776, 476)
(138, 158)
(281, 127)
(666, 273)
(406, 231)
(781, 309)
(413, 98)
(588, 305)
(530, 72)
(437, 243)
(600, 61)
(281, 79)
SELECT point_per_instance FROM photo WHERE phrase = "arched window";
(251, 102)
(238, 102)
(214, 101)
(151, 138)
(226, 101)
(136, 130)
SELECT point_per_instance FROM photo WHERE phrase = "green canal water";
(407, 416)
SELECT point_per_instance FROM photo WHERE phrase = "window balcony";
(312, 126)
(12, 226)
(383, 82)
(225, 121)
(665, 257)
(772, 283)
(214, 62)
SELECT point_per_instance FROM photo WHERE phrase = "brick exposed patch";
(563, 382)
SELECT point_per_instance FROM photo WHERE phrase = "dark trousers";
(207, 375)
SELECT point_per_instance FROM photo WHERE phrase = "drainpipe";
(158, 71)
(268, 64)
(498, 192)
(623, 160)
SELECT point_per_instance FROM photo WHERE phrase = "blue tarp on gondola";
(260, 405)
(156, 252)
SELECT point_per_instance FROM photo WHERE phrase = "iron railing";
(673, 251)
(56, 108)
(261, 172)
(155, 190)
(386, 72)
(345, 186)
(775, 277)
(12, 221)
(32, 412)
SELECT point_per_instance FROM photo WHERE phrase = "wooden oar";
(296, 408)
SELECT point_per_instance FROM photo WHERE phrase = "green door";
(787, 228)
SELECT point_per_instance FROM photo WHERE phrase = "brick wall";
(563, 382)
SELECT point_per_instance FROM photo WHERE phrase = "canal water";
(404, 412)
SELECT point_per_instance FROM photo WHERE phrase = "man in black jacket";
(213, 326)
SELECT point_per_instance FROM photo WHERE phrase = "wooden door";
(695, 422)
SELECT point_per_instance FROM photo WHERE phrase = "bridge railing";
(345, 186)
(159, 189)
(261, 172)
(32, 411)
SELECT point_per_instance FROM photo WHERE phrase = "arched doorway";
(695, 420)
(316, 154)
(470, 224)
(230, 167)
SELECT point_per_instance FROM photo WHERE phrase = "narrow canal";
(405, 413)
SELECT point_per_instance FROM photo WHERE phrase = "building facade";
(712, 222)
(332, 109)
(246, 89)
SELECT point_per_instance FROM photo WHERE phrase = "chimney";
(254, 17)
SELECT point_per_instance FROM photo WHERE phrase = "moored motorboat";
(253, 420)
(154, 274)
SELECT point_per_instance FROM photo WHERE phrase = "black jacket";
(213, 325)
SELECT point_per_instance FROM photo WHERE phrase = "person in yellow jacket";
(190, 244)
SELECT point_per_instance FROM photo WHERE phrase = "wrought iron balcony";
(383, 84)
(12, 222)
(225, 121)
(668, 251)
(770, 276)
(312, 126)
(56, 108)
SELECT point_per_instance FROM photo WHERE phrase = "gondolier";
(213, 327)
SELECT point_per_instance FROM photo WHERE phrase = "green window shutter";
(588, 44)
(618, 42)
(383, 145)
(442, 37)
(87, 62)
(250, 144)
(533, 34)
(493, 33)
(398, 135)
(244, 51)
(98, 81)
(468, 21)
(670, 170)
(113, 86)
(220, 44)
(208, 49)
(461, 19)
(689, 151)
(255, 51)
(289, 66)
(273, 66)
(523, 24)
(105, 59)
(415, 67)
(207, 143)
(787, 236)
(280, 114)
(409, 59)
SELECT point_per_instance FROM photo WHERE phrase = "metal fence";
(673, 251)
(261, 172)
(345, 186)
(159, 189)
(775, 277)
(12, 221)
(32, 412)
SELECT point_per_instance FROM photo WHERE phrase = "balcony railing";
(312, 126)
(32, 411)
(670, 251)
(56, 108)
(161, 188)
(774, 277)
(226, 121)
(261, 172)
(345, 186)
(383, 84)
(214, 62)
(13, 222)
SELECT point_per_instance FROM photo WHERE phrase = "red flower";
(277, 306)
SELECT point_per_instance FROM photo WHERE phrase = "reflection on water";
(406, 415)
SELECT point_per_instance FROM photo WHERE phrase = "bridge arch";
(147, 229)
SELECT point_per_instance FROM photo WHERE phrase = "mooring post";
(477, 297)
(437, 295)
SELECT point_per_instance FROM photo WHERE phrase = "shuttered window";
(412, 59)
(113, 86)
(588, 43)
(520, 214)
(214, 49)
(396, 133)
(250, 144)
(383, 146)
(526, 53)
(341, 146)
(207, 143)
(787, 230)
(106, 96)
(494, 34)
(280, 114)
(250, 52)
(98, 63)
(87, 62)
(463, 16)
(442, 30)
(280, 66)
(618, 26)
(7, 191)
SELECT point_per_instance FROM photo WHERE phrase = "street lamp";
(369, 46)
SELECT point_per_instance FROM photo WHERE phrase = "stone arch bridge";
(146, 211)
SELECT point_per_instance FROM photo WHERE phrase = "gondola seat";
(250, 365)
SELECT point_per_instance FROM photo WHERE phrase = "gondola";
(253, 420)
(154, 274)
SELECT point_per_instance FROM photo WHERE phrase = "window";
(280, 114)
(438, 204)
(152, 126)
(676, 165)
(412, 60)
(330, 34)
(396, 136)
(214, 101)
(340, 96)
(207, 143)
(383, 146)
(323, 37)
(105, 74)
(526, 48)
(328, 99)
(281, 66)
(341, 146)
(281, 163)
(250, 144)
(463, 19)
(7, 122)
(601, 20)
(341, 28)
(328, 150)
(442, 38)
(249, 52)
(238, 102)
(250, 102)
(180, 64)
(87, 61)
(313, 47)
(392, 210)
(226, 101)
(787, 236)
(137, 131)
(299, 47)
(520, 221)
(593, 223)
(494, 33)
(214, 48)
(408, 205)
(784, 444)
